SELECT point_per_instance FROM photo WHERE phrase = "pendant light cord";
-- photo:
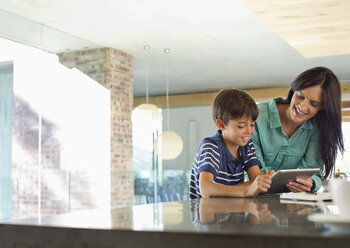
(146, 75)
(147, 48)
(167, 92)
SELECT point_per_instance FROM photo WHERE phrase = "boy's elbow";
(205, 193)
(206, 184)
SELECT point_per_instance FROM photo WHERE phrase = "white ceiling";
(214, 44)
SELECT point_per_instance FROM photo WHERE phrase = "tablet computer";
(280, 179)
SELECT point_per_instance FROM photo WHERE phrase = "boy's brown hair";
(230, 104)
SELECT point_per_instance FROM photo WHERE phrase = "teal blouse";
(276, 151)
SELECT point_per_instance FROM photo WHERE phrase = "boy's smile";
(236, 133)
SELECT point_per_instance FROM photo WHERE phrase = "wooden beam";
(206, 99)
(345, 113)
(266, 94)
(345, 88)
(345, 104)
(184, 100)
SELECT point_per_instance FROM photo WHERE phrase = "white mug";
(340, 190)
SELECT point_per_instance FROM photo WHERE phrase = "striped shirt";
(213, 156)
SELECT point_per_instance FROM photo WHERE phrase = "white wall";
(193, 124)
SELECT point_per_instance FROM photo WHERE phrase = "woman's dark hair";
(230, 104)
(329, 116)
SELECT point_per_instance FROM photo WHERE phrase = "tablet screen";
(280, 179)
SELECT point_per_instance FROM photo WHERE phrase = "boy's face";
(237, 132)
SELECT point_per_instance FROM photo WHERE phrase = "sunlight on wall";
(74, 132)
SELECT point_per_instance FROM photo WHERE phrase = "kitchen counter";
(216, 222)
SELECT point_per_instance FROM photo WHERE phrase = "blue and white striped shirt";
(213, 156)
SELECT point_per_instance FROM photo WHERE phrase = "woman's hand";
(300, 184)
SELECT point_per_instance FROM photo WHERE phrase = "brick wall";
(114, 70)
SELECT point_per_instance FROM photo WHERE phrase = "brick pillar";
(114, 70)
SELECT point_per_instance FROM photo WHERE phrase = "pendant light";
(168, 144)
(149, 111)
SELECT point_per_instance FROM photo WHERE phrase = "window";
(60, 136)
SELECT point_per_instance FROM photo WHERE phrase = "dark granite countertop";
(240, 222)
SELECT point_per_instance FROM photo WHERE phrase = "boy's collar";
(229, 156)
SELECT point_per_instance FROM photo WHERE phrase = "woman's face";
(305, 104)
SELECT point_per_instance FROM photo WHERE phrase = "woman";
(304, 130)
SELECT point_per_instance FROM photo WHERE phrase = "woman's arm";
(311, 159)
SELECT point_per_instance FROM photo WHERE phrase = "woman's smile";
(298, 112)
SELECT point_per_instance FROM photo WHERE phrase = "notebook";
(305, 196)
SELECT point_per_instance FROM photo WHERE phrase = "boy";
(218, 166)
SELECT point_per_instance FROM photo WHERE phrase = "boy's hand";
(260, 184)
(264, 181)
(269, 172)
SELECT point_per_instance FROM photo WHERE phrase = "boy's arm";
(258, 183)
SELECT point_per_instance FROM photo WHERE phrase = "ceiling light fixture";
(168, 144)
